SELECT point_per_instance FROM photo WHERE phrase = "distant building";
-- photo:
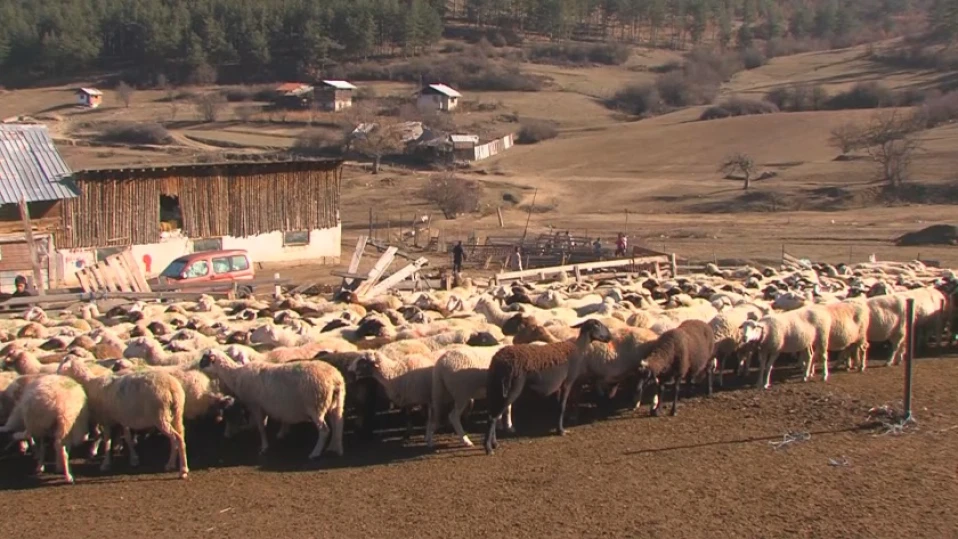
(294, 95)
(334, 95)
(438, 97)
(89, 97)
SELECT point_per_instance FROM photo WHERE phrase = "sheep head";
(752, 331)
(123, 365)
(366, 364)
(237, 354)
(214, 358)
(593, 330)
(35, 314)
(334, 324)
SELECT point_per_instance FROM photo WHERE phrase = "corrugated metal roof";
(30, 166)
(90, 91)
(445, 90)
(339, 84)
(464, 138)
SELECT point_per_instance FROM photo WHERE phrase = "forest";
(205, 41)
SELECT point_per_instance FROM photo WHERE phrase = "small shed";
(335, 95)
(89, 97)
(438, 97)
(293, 95)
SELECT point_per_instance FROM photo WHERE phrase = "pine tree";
(725, 28)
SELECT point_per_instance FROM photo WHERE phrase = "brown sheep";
(544, 367)
(684, 353)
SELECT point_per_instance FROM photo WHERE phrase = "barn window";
(296, 237)
(171, 216)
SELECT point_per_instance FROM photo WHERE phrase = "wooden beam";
(374, 274)
(397, 277)
(357, 256)
(510, 275)
(32, 246)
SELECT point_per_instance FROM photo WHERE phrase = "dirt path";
(710, 472)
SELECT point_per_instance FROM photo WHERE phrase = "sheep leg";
(810, 365)
(260, 420)
(711, 375)
(39, 450)
(283, 431)
(862, 353)
(656, 398)
(432, 418)
(564, 391)
(63, 460)
(134, 457)
(765, 370)
(334, 417)
(824, 356)
(513, 393)
(454, 419)
(676, 387)
(505, 421)
(321, 441)
(107, 449)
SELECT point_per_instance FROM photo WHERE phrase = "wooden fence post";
(32, 246)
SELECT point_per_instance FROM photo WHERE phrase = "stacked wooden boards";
(116, 273)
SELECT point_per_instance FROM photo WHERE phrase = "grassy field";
(662, 170)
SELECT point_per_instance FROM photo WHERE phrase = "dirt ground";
(712, 471)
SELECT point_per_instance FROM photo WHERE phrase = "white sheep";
(139, 400)
(407, 379)
(292, 393)
(151, 351)
(459, 375)
(51, 406)
(802, 331)
(202, 394)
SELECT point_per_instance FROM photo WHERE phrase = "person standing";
(597, 248)
(20, 282)
(517, 258)
(621, 244)
(458, 256)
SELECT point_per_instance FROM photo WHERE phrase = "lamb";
(801, 331)
(202, 394)
(291, 393)
(684, 353)
(54, 406)
(407, 379)
(139, 400)
(459, 375)
(545, 367)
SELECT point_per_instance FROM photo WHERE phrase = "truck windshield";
(175, 269)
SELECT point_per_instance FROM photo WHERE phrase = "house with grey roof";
(438, 97)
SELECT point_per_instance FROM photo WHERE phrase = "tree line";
(199, 41)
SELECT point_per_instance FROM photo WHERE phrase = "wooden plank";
(102, 283)
(95, 284)
(84, 279)
(357, 256)
(32, 246)
(397, 277)
(377, 271)
(121, 278)
(582, 267)
(110, 276)
(141, 281)
(134, 283)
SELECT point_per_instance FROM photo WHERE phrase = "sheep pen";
(717, 447)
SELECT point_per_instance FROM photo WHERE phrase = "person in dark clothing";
(458, 255)
(21, 283)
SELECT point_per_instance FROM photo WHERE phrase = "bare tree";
(739, 163)
(209, 106)
(453, 195)
(372, 136)
(125, 92)
(892, 143)
(847, 138)
(164, 84)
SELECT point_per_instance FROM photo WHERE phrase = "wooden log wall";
(215, 201)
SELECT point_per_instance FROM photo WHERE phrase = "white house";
(89, 97)
(438, 97)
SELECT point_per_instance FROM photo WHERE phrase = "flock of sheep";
(160, 367)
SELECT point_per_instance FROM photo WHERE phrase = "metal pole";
(910, 355)
(529, 217)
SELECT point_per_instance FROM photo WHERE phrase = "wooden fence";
(494, 147)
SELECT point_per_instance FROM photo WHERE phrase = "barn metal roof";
(339, 84)
(445, 90)
(89, 91)
(30, 166)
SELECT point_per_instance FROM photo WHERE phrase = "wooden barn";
(279, 211)
(334, 95)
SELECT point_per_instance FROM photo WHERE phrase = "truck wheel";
(244, 292)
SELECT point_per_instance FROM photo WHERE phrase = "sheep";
(407, 379)
(291, 393)
(545, 367)
(684, 353)
(202, 394)
(459, 375)
(24, 362)
(152, 352)
(801, 331)
(848, 328)
(727, 328)
(617, 354)
(54, 406)
(139, 400)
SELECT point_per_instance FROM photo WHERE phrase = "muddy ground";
(712, 471)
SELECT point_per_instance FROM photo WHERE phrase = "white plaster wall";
(324, 244)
